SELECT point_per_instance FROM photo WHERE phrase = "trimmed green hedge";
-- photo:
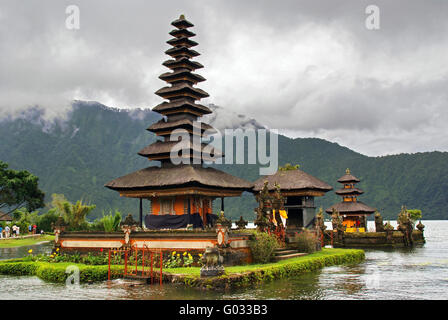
(240, 276)
(56, 272)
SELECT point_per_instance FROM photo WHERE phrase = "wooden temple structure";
(179, 194)
(353, 211)
(298, 189)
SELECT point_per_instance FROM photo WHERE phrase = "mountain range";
(94, 144)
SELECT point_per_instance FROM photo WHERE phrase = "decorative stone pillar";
(222, 230)
(58, 227)
(128, 226)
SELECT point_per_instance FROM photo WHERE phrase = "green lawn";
(234, 276)
(325, 253)
(11, 243)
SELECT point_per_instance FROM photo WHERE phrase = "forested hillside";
(95, 144)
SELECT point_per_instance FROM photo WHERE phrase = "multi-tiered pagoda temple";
(180, 194)
(353, 211)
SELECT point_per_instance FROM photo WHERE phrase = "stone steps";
(283, 254)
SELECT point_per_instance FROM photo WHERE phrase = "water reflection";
(18, 252)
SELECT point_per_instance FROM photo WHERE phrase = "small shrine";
(298, 190)
(180, 189)
(353, 212)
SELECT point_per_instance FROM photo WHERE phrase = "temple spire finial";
(347, 171)
(182, 17)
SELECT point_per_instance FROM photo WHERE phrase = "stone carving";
(128, 225)
(406, 226)
(379, 226)
(241, 224)
(212, 261)
(264, 209)
(336, 221)
(420, 226)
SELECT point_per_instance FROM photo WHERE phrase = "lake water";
(418, 273)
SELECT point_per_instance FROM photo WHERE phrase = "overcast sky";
(308, 68)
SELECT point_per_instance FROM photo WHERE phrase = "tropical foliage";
(19, 189)
(263, 247)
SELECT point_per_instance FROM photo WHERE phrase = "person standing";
(17, 231)
(1, 232)
(7, 231)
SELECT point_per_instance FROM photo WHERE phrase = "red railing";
(134, 252)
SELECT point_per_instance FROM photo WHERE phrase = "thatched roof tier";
(162, 149)
(163, 127)
(292, 181)
(182, 41)
(182, 23)
(181, 90)
(181, 106)
(182, 63)
(178, 33)
(181, 74)
(5, 217)
(178, 52)
(159, 179)
(351, 208)
(348, 178)
(349, 191)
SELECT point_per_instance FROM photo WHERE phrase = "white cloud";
(307, 68)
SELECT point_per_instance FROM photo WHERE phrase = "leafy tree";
(73, 214)
(19, 189)
(47, 220)
(414, 214)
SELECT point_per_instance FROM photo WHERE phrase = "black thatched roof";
(182, 41)
(182, 51)
(183, 62)
(346, 191)
(181, 104)
(165, 147)
(292, 180)
(182, 123)
(5, 217)
(182, 73)
(182, 23)
(178, 33)
(348, 178)
(357, 207)
(180, 89)
(177, 176)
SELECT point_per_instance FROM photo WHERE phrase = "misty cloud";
(309, 68)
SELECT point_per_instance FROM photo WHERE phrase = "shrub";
(306, 241)
(47, 220)
(263, 247)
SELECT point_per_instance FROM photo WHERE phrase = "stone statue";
(420, 226)
(379, 226)
(241, 224)
(406, 226)
(212, 263)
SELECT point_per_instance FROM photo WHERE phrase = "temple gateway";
(298, 188)
(179, 195)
